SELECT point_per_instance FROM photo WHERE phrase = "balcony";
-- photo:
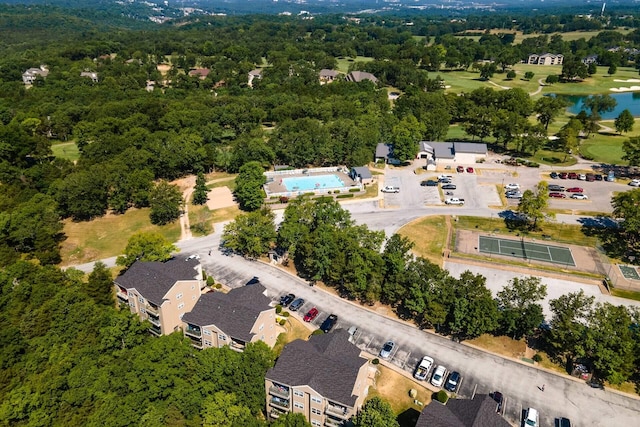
(196, 342)
(156, 330)
(151, 309)
(279, 391)
(332, 422)
(193, 331)
(123, 296)
(282, 403)
(237, 345)
(338, 411)
(155, 320)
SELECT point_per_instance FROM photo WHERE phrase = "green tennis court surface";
(629, 272)
(526, 250)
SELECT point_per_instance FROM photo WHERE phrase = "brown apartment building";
(161, 292)
(324, 378)
(241, 316)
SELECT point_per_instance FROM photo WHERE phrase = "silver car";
(387, 349)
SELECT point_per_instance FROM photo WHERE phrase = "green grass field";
(344, 63)
(568, 36)
(66, 150)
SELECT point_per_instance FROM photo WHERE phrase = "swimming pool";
(317, 182)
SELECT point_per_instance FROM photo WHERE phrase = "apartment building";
(546, 59)
(325, 378)
(161, 292)
(241, 316)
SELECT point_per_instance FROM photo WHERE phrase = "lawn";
(430, 247)
(66, 150)
(568, 36)
(632, 295)
(502, 345)
(344, 63)
(200, 218)
(107, 236)
(294, 330)
(394, 388)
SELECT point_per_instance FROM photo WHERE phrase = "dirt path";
(537, 91)
(186, 186)
(497, 85)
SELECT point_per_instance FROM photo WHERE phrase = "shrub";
(317, 332)
(376, 361)
(537, 358)
(442, 396)
(336, 192)
(284, 199)
(344, 196)
(218, 285)
(278, 309)
(285, 314)
(354, 190)
(210, 281)
(282, 322)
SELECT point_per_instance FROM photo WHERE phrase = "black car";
(449, 187)
(329, 323)
(598, 177)
(453, 382)
(429, 183)
(497, 396)
(554, 187)
(554, 175)
(295, 306)
(286, 299)
(563, 422)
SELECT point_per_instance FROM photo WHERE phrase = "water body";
(626, 100)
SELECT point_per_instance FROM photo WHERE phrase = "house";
(254, 74)
(91, 75)
(200, 73)
(546, 59)
(591, 59)
(477, 412)
(453, 152)
(362, 174)
(241, 316)
(327, 76)
(161, 292)
(29, 76)
(358, 76)
(324, 378)
(384, 153)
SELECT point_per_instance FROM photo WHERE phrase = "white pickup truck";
(422, 371)
(454, 201)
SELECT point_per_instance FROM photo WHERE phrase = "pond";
(626, 100)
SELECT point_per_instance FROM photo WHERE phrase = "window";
(316, 423)
(206, 331)
(132, 304)
(316, 411)
(142, 310)
(207, 342)
(181, 305)
(222, 337)
(193, 297)
(179, 296)
(316, 399)
(298, 393)
(141, 300)
(261, 327)
(298, 405)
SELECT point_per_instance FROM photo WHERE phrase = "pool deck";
(276, 187)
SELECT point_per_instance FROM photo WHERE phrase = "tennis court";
(629, 272)
(526, 250)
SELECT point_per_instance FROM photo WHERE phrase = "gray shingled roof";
(425, 146)
(477, 412)
(470, 147)
(358, 76)
(325, 72)
(234, 313)
(153, 280)
(383, 150)
(363, 172)
(328, 363)
(443, 150)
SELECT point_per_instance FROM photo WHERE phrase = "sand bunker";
(220, 197)
(626, 89)
(627, 81)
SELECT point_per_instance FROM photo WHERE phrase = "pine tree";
(200, 191)
(100, 284)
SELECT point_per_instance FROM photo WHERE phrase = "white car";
(391, 189)
(635, 183)
(438, 376)
(582, 177)
(531, 418)
(422, 371)
(512, 186)
(579, 196)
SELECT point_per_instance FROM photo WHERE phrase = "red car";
(470, 170)
(312, 314)
(574, 190)
(558, 195)
(573, 175)
(460, 169)
(564, 175)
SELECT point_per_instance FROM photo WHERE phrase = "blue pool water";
(625, 100)
(318, 182)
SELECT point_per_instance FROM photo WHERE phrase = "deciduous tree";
(520, 311)
(533, 203)
(375, 413)
(631, 148)
(146, 247)
(166, 203)
(249, 184)
(251, 234)
(624, 122)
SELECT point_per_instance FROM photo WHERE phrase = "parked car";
(591, 177)
(460, 169)
(287, 299)
(563, 422)
(554, 175)
(512, 186)
(564, 175)
(449, 187)
(387, 349)
(311, 314)
(329, 323)
(554, 187)
(513, 195)
(470, 170)
(453, 382)
(598, 177)
(582, 177)
(531, 417)
(574, 190)
(438, 376)
(611, 177)
(390, 189)
(352, 331)
(295, 305)
(497, 396)
(635, 183)
(558, 195)
(579, 196)
(423, 368)
(429, 183)
(573, 175)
